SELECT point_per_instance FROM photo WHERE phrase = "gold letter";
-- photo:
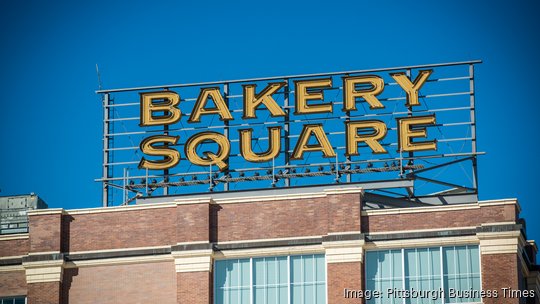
(302, 95)
(274, 145)
(350, 93)
(168, 105)
(302, 145)
(412, 88)
(171, 156)
(407, 133)
(210, 158)
(202, 100)
(371, 139)
(252, 100)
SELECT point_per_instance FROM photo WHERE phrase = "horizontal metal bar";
(122, 149)
(122, 119)
(446, 94)
(330, 163)
(327, 133)
(290, 76)
(326, 89)
(454, 139)
(291, 121)
(291, 92)
(122, 105)
(449, 79)
(121, 163)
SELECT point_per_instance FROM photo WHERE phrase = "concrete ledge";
(11, 262)
(420, 235)
(117, 254)
(15, 236)
(500, 242)
(344, 251)
(43, 257)
(193, 260)
(44, 271)
(194, 246)
(268, 251)
(266, 244)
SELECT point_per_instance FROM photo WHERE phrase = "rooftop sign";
(346, 127)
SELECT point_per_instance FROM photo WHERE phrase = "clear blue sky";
(51, 118)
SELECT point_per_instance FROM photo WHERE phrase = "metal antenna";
(98, 77)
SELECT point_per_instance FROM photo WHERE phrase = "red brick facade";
(12, 283)
(14, 247)
(131, 283)
(46, 233)
(341, 276)
(500, 271)
(439, 220)
(44, 293)
(194, 287)
(117, 230)
(127, 255)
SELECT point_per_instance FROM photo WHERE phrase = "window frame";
(442, 274)
(13, 298)
(289, 282)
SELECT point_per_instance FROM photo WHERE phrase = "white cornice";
(18, 236)
(440, 208)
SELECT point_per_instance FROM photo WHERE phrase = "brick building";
(314, 245)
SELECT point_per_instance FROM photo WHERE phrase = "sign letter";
(199, 108)
(412, 88)
(165, 101)
(171, 156)
(252, 100)
(350, 93)
(209, 158)
(411, 127)
(274, 145)
(371, 139)
(305, 90)
(322, 144)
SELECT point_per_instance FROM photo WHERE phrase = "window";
(452, 273)
(271, 280)
(13, 300)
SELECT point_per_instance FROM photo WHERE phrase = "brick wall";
(125, 229)
(439, 219)
(272, 219)
(344, 213)
(500, 271)
(14, 247)
(12, 283)
(193, 222)
(134, 283)
(341, 276)
(159, 283)
(45, 233)
(194, 287)
(44, 293)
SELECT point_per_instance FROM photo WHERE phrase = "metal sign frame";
(398, 190)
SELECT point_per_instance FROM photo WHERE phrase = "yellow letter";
(202, 100)
(171, 156)
(412, 88)
(304, 92)
(210, 158)
(166, 101)
(274, 145)
(411, 127)
(302, 145)
(350, 93)
(371, 139)
(252, 100)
